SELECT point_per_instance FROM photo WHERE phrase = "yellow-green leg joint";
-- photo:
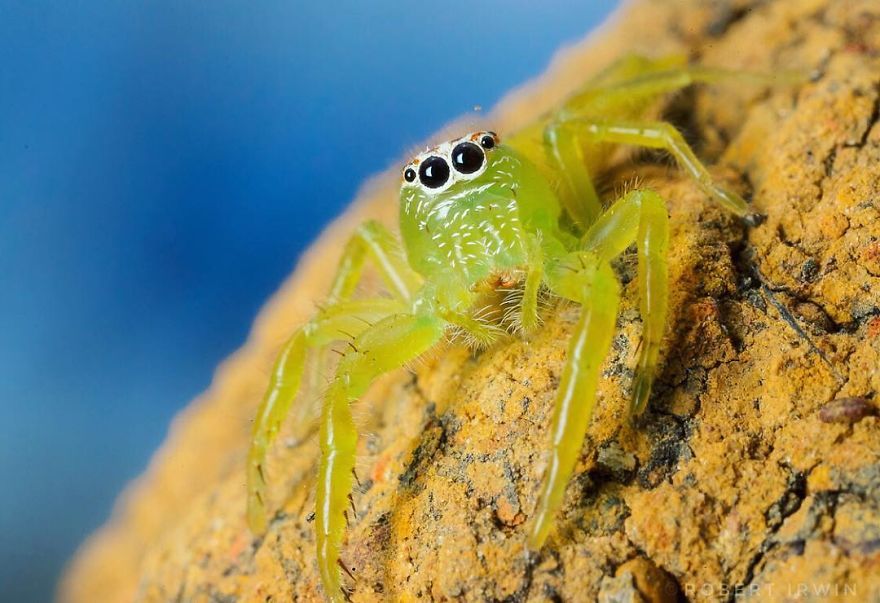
(640, 217)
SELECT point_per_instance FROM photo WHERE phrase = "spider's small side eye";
(467, 157)
(409, 174)
(434, 172)
(488, 141)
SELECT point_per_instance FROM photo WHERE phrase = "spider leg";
(313, 381)
(284, 383)
(591, 282)
(631, 90)
(342, 318)
(376, 242)
(639, 216)
(480, 334)
(625, 91)
(576, 191)
(661, 135)
(631, 66)
(529, 318)
(385, 346)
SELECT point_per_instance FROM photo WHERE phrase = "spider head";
(458, 160)
(463, 197)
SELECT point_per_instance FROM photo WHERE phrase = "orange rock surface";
(750, 476)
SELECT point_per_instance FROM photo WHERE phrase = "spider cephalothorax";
(478, 216)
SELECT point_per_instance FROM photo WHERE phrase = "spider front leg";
(529, 318)
(385, 346)
(584, 278)
(623, 93)
(522, 314)
(576, 191)
(629, 67)
(639, 216)
(659, 135)
(341, 318)
(374, 241)
(629, 89)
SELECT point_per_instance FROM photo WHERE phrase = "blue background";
(162, 165)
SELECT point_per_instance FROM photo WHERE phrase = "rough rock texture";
(755, 474)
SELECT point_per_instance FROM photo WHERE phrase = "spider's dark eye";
(409, 174)
(434, 172)
(467, 157)
(487, 141)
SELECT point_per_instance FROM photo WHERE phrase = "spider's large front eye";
(467, 157)
(434, 172)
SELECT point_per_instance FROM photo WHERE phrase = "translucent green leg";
(383, 347)
(592, 283)
(576, 191)
(661, 135)
(342, 318)
(283, 386)
(314, 380)
(529, 317)
(639, 216)
(631, 66)
(334, 323)
(374, 241)
(632, 94)
(625, 90)
(480, 334)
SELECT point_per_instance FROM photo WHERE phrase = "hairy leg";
(583, 278)
(631, 66)
(376, 242)
(631, 95)
(565, 154)
(639, 216)
(616, 99)
(661, 135)
(341, 318)
(625, 90)
(314, 380)
(385, 346)
(529, 317)
(337, 322)
(479, 334)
